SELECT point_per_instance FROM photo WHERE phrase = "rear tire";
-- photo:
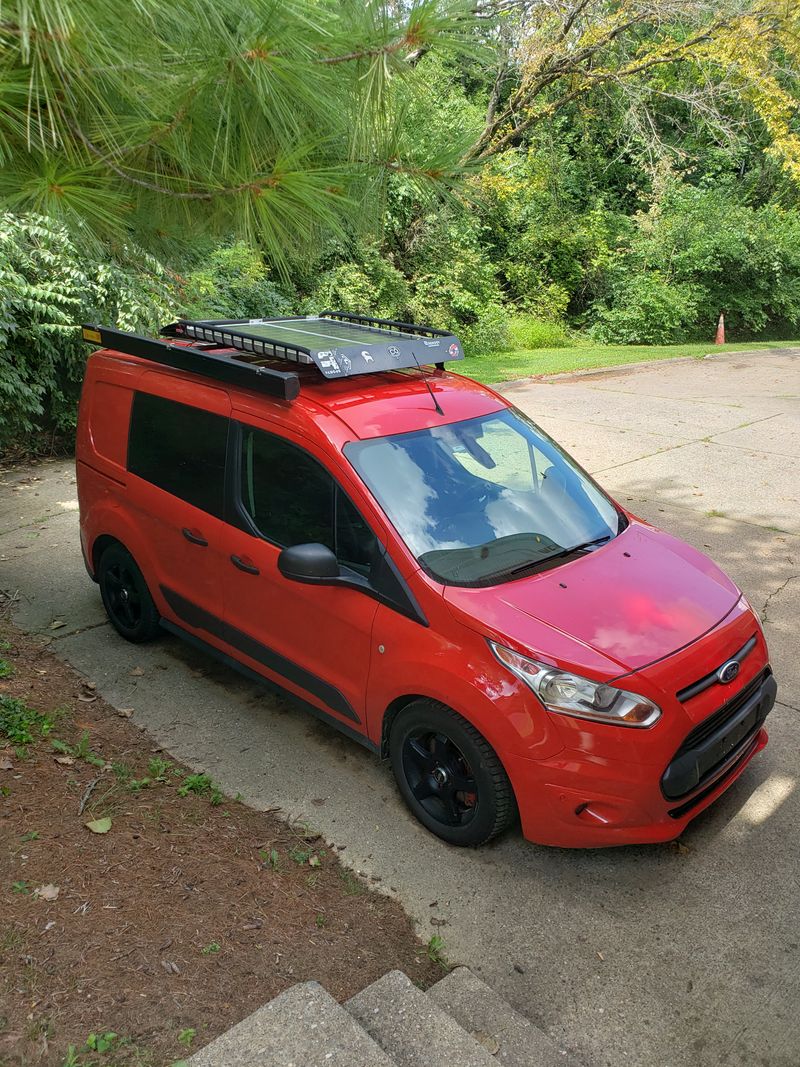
(449, 775)
(126, 598)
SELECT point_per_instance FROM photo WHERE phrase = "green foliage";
(187, 1036)
(49, 284)
(369, 284)
(201, 785)
(436, 951)
(234, 282)
(455, 284)
(21, 725)
(647, 309)
(276, 121)
(698, 252)
(529, 332)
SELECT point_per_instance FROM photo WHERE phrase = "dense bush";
(647, 309)
(529, 332)
(368, 284)
(698, 252)
(48, 287)
(234, 282)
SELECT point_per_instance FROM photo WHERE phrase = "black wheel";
(449, 775)
(126, 597)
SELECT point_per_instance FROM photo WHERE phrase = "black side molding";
(266, 683)
(200, 619)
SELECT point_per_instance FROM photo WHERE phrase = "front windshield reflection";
(478, 500)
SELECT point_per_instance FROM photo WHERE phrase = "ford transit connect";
(321, 505)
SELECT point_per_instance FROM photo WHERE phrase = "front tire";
(449, 775)
(126, 598)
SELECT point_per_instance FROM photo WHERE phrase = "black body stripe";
(259, 679)
(200, 619)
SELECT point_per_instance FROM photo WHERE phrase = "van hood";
(635, 600)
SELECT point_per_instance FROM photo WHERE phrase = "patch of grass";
(158, 769)
(351, 883)
(31, 835)
(436, 950)
(20, 887)
(6, 668)
(81, 750)
(210, 949)
(301, 855)
(523, 363)
(202, 786)
(187, 1036)
(21, 724)
(270, 859)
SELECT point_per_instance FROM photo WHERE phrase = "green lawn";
(505, 366)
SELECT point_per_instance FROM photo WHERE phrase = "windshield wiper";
(557, 555)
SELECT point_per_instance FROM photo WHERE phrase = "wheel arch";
(101, 543)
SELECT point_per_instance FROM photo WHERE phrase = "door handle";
(244, 565)
(195, 537)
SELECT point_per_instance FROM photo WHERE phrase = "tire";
(434, 751)
(126, 597)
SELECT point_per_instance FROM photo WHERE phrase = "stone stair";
(459, 1022)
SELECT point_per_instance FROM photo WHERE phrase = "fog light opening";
(598, 814)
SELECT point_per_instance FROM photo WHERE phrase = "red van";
(319, 504)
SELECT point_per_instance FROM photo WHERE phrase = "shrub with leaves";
(530, 332)
(235, 282)
(370, 284)
(49, 284)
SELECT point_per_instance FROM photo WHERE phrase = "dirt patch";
(188, 913)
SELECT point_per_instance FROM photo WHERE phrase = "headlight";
(570, 694)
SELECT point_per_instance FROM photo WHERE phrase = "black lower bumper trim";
(705, 761)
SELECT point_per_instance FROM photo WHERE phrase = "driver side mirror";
(308, 563)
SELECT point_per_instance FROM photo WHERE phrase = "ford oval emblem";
(728, 672)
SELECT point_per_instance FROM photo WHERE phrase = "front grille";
(700, 686)
(721, 715)
(717, 742)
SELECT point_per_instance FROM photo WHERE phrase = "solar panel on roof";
(338, 343)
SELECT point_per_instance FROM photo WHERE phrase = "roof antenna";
(427, 383)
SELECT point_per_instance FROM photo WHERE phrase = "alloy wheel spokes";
(440, 778)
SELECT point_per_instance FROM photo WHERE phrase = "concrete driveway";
(650, 955)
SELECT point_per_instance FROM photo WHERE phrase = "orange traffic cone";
(720, 338)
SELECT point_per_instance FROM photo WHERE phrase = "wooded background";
(528, 173)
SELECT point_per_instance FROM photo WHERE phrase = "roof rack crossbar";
(399, 327)
(283, 384)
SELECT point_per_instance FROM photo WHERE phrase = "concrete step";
(513, 1039)
(412, 1029)
(302, 1027)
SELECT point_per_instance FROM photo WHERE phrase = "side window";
(180, 449)
(293, 500)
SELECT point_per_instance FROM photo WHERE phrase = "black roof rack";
(283, 384)
(338, 343)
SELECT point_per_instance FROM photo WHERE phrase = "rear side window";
(180, 449)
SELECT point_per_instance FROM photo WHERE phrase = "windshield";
(481, 500)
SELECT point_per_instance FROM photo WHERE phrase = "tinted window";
(180, 449)
(293, 500)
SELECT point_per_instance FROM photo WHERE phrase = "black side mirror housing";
(308, 563)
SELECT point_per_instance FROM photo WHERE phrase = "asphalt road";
(646, 955)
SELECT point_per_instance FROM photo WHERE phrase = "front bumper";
(581, 800)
